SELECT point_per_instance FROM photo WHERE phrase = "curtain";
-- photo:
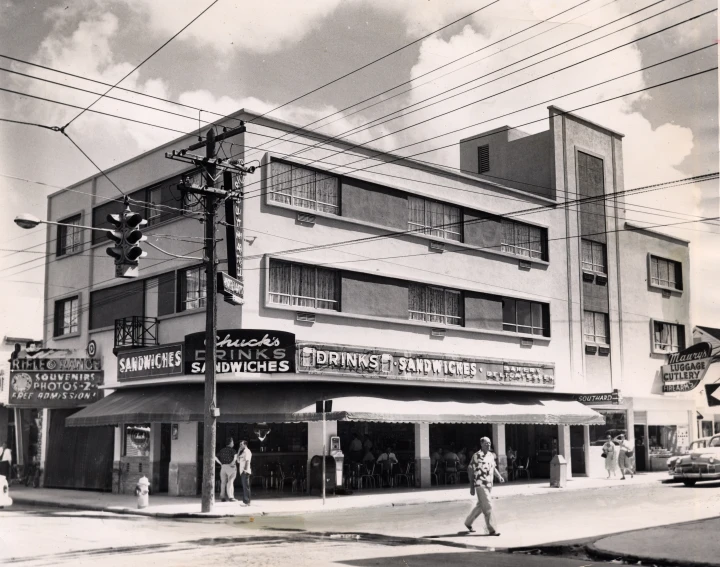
(524, 317)
(435, 305)
(509, 315)
(280, 182)
(535, 242)
(452, 307)
(598, 257)
(434, 218)
(587, 254)
(416, 302)
(303, 285)
(303, 188)
(327, 194)
(416, 214)
(451, 221)
(663, 272)
(600, 328)
(280, 279)
(326, 289)
(537, 318)
(654, 270)
(508, 236)
(589, 325)
(194, 288)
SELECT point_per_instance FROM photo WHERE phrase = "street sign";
(230, 288)
(712, 391)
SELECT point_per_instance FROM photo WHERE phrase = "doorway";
(577, 450)
(164, 456)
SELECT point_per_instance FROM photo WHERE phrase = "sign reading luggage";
(147, 363)
(54, 382)
(400, 365)
(243, 350)
(687, 368)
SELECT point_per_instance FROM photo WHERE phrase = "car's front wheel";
(689, 482)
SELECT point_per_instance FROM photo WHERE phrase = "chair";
(387, 472)
(282, 478)
(406, 475)
(451, 472)
(523, 468)
(463, 472)
(369, 474)
(434, 473)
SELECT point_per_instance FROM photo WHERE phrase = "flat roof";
(637, 227)
(585, 120)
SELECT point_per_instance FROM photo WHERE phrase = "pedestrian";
(356, 449)
(610, 453)
(626, 451)
(245, 456)
(387, 461)
(5, 460)
(226, 458)
(483, 469)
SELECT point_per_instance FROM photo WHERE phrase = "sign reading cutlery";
(686, 369)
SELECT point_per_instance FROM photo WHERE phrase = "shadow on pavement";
(477, 559)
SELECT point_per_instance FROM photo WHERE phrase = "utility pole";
(211, 196)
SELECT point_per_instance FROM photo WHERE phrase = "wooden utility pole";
(212, 195)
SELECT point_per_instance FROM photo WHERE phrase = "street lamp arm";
(28, 221)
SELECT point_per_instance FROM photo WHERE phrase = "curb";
(596, 553)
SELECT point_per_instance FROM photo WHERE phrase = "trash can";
(315, 476)
(558, 472)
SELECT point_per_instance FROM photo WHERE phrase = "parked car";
(702, 463)
(697, 444)
(5, 499)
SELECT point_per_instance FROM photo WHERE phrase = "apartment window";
(520, 316)
(304, 286)
(69, 236)
(434, 218)
(595, 327)
(435, 304)
(191, 293)
(154, 205)
(665, 273)
(304, 188)
(522, 239)
(483, 159)
(593, 256)
(668, 337)
(66, 316)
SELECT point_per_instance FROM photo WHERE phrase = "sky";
(467, 78)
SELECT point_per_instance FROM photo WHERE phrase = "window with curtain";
(520, 316)
(191, 288)
(665, 273)
(593, 256)
(304, 188)
(595, 327)
(154, 205)
(434, 218)
(522, 239)
(435, 304)
(69, 236)
(66, 316)
(302, 285)
(668, 337)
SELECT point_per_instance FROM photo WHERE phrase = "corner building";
(433, 306)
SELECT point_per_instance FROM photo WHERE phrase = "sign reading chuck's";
(243, 350)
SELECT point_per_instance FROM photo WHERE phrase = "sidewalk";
(287, 503)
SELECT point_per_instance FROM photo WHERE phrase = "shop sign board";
(347, 361)
(687, 368)
(230, 288)
(148, 363)
(54, 382)
(243, 350)
(591, 399)
(712, 392)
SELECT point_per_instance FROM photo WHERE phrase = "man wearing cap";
(483, 470)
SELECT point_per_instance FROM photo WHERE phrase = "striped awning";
(287, 402)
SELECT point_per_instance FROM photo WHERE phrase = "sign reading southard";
(243, 350)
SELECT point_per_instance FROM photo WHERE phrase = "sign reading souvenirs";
(686, 369)
(155, 362)
(409, 366)
(243, 350)
(54, 382)
(230, 288)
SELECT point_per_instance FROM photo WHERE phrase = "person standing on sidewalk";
(226, 458)
(610, 452)
(5, 461)
(483, 469)
(245, 456)
(626, 450)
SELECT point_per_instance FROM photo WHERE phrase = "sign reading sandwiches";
(148, 363)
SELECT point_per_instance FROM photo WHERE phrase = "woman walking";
(610, 455)
(626, 452)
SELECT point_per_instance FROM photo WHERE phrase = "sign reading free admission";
(243, 350)
(54, 382)
(686, 369)
(347, 361)
(148, 363)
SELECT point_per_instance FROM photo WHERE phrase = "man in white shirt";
(5, 460)
(387, 460)
(483, 469)
(244, 458)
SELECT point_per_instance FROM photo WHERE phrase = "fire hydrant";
(142, 491)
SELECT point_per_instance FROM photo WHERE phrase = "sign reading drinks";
(54, 382)
(686, 369)
(400, 365)
(243, 350)
(155, 362)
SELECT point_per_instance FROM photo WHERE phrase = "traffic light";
(127, 237)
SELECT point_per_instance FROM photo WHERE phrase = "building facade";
(431, 305)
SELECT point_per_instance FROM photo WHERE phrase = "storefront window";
(706, 428)
(137, 440)
(615, 424)
(662, 440)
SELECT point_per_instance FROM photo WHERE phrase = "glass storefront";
(662, 440)
(615, 424)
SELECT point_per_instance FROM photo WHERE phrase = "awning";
(287, 402)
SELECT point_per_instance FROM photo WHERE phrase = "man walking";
(226, 458)
(482, 470)
(245, 456)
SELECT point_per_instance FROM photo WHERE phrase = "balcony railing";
(136, 331)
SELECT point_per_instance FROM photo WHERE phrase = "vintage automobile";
(702, 463)
(5, 499)
(697, 444)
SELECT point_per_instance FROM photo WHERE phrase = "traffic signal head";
(127, 236)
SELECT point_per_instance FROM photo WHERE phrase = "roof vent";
(588, 276)
(525, 265)
(306, 218)
(437, 246)
(601, 279)
(666, 293)
(437, 332)
(306, 317)
(526, 342)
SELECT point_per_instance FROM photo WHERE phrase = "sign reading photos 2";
(409, 366)
(54, 382)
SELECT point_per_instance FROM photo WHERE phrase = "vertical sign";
(233, 228)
